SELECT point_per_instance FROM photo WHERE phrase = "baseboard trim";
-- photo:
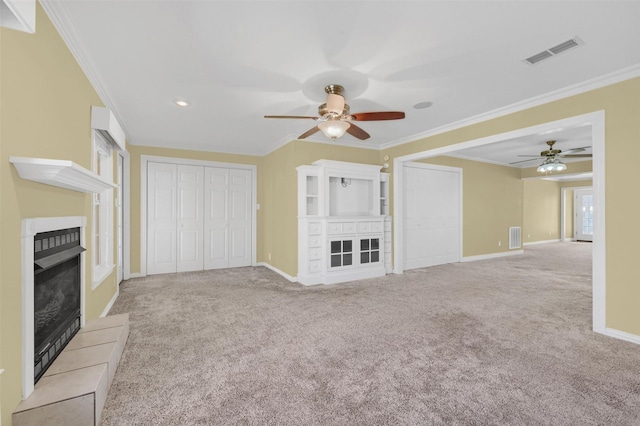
(135, 275)
(533, 243)
(622, 335)
(491, 256)
(111, 302)
(278, 271)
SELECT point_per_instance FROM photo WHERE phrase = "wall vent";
(553, 51)
(515, 237)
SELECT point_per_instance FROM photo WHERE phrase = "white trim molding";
(533, 243)
(491, 255)
(575, 89)
(622, 335)
(126, 199)
(107, 308)
(278, 271)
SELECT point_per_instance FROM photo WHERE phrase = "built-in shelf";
(61, 173)
(344, 228)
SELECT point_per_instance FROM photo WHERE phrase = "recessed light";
(423, 105)
(182, 103)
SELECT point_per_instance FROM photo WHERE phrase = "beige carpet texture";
(506, 341)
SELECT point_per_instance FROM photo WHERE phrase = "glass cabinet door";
(341, 255)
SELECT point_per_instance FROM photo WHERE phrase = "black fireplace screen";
(56, 294)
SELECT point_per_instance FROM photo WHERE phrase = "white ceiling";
(511, 150)
(237, 61)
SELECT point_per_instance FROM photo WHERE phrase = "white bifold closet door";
(227, 230)
(432, 226)
(161, 218)
(189, 218)
(197, 218)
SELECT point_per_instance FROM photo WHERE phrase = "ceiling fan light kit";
(552, 165)
(334, 117)
(333, 129)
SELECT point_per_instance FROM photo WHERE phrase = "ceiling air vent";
(555, 50)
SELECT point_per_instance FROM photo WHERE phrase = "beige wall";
(568, 214)
(621, 103)
(541, 220)
(46, 105)
(491, 203)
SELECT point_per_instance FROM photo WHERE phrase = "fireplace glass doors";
(56, 294)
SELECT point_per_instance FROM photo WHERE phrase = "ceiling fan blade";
(291, 116)
(578, 156)
(380, 115)
(524, 161)
(356, 131)
(309, 132)
(573, 150)
(524, 155)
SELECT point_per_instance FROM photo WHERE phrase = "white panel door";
(583, 209)
(432, 201)
(189, 220)
(161, 218)
(216, 213)
(240, 183)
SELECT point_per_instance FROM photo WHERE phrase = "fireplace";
(52, 291)
(56, 294)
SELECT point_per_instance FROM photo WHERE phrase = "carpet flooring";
(506, 341)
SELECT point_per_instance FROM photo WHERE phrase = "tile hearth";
(74, 389)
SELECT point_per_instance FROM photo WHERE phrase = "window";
(587, 214)
(102, 229)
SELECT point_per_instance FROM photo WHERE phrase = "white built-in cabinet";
(198, 217)
(344, 228)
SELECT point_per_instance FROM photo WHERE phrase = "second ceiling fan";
(334, 117)
(552, 158)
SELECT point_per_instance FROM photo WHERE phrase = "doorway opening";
(596, 122)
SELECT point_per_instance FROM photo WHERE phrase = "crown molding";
(59, 16)
(278, 144)
(575, 89)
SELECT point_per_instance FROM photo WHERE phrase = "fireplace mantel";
(61, 173)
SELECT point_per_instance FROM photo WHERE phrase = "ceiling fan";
(552, 158)
(334, 117)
